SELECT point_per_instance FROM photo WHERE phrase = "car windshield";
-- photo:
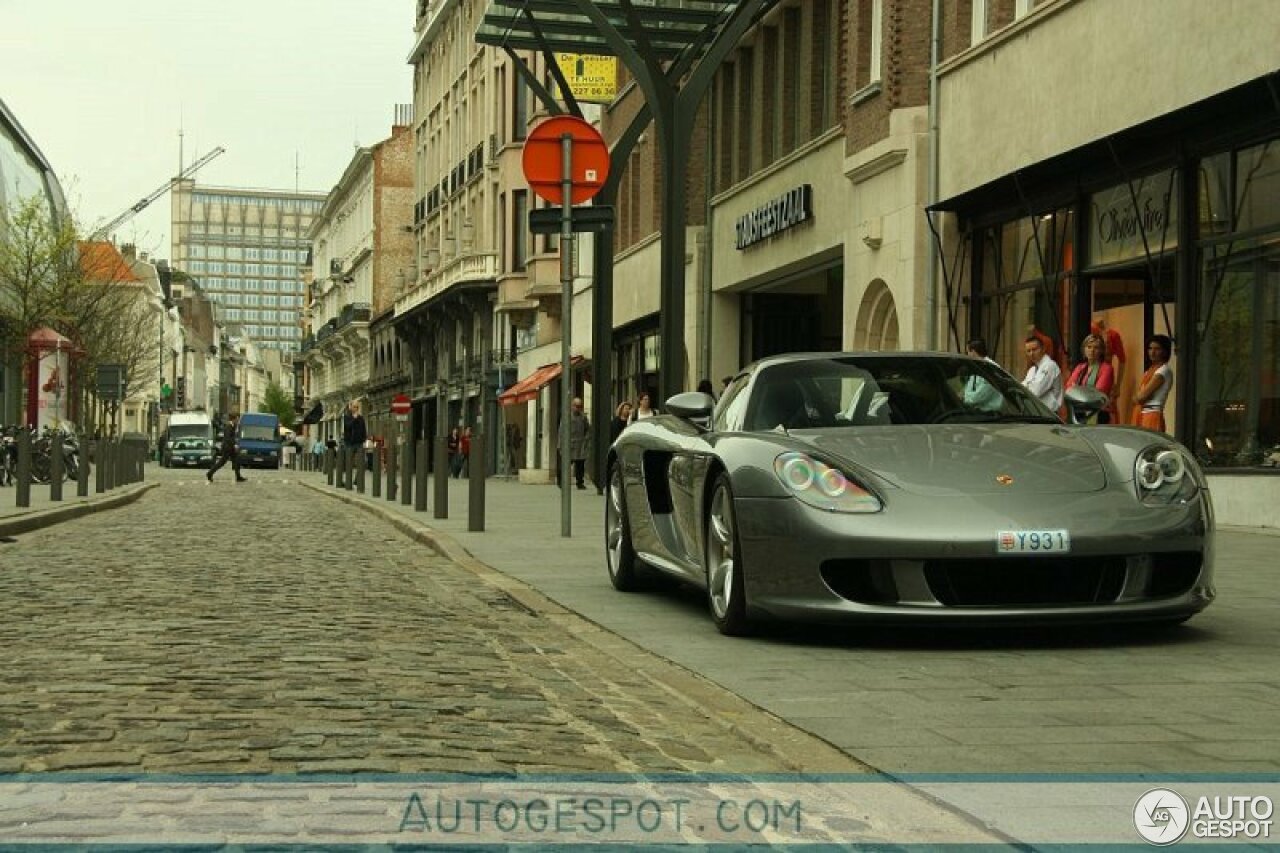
(189, 431)
(889, 391)
(254, 432)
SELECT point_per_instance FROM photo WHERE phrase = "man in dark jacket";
(354, 433)
(228, 450)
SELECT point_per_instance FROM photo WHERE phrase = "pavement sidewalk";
(42, 512)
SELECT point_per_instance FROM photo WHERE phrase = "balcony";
(356, 312)
(481, 266)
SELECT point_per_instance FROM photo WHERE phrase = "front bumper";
(927, 559)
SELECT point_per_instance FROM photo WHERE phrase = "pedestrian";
(354, 432)
(464, 451)
(454, 444)
(1044, 377)
(644, 408)
(579, 443)
(227, 453)
(705, 387)
(1155, 385)
(621, 416)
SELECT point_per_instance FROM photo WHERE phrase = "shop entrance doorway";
(1125, 308)
(802, 314)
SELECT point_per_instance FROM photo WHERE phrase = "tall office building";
(245, 246)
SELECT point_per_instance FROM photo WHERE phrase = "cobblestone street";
(263, 627)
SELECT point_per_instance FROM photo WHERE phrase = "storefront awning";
(527, 389)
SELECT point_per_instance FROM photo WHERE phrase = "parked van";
(188, 441)
(258, 440)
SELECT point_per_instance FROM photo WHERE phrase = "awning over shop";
(527, 389)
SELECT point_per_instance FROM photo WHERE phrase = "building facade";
(246, 246)
(24, 174)
(362, 247)
(484, 291)
(1126, 190)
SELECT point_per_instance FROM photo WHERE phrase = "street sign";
(543, 159)
(592, 79)
(165, 390)
(401, 405)
(547, 220)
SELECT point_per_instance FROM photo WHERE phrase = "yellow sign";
(591, 78)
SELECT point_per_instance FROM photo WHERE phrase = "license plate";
(1033, 542)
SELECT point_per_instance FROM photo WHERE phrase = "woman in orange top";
(1154, 387)
(1095, 372)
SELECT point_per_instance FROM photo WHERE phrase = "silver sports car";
(905, 486)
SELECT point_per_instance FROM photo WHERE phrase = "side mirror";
(691, 405)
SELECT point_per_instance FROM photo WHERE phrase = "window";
(876, 41)
(746, 71)
(519, 230)
(520, 110)
(978, 22)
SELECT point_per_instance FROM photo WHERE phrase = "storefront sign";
(1121, 231)
(789, 209)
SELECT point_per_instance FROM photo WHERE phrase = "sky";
(103, 88)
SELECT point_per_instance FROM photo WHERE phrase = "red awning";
(527, 389)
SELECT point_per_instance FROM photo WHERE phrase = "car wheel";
(624, 568)
(726, 591)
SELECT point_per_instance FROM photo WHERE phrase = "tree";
(84, 290)
(276, 401)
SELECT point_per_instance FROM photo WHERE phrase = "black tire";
(625, 572)
(722, 560)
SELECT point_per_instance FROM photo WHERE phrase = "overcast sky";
(102, 88)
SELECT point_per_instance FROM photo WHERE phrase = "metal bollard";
(55, 468)
(362, 462)
(100, 460)
(141, 455)
(330, 464)
(420, 474)
(109, 463)
(393, 460)
(442, 477)
(476, 474)
(406, 473)
(22, 488)
(82, 473)
(377, 475)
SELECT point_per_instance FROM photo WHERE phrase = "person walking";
(621, 417)
(454, 445)
(579, 443)
(464, 451)
(354, 433)
(227, 453)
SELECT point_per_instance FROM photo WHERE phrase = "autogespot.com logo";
(1161, 816)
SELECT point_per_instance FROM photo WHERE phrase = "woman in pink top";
(1095, 372)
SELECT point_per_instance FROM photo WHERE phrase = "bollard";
(340, 476)
(100, 462)
(362, 462)
(56, 467)
(22, 489)
(406, 473)
(377, 476)
(420, 474)
(141, 456)
(109, 464)
(393, 459)
(82, 473)
(442, 477)
(476, 474)
(330, 464)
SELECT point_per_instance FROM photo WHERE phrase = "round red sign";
(401, 404)
(543, 159)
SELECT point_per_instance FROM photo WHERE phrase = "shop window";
(1237, 387)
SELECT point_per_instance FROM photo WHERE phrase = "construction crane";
(155, 194)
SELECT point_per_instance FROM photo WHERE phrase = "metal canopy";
(669, 26)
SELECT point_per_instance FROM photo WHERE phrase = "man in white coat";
(1044, 377)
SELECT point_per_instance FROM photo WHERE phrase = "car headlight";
(1165, 475)
(822, 486)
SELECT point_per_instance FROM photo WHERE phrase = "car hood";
(965, 459)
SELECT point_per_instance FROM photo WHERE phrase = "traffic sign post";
(566, 162)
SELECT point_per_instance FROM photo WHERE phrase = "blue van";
(258, 440)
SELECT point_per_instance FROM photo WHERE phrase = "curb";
(791, 746)
(39, 518)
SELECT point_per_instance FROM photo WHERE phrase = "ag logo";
(1161, 816)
